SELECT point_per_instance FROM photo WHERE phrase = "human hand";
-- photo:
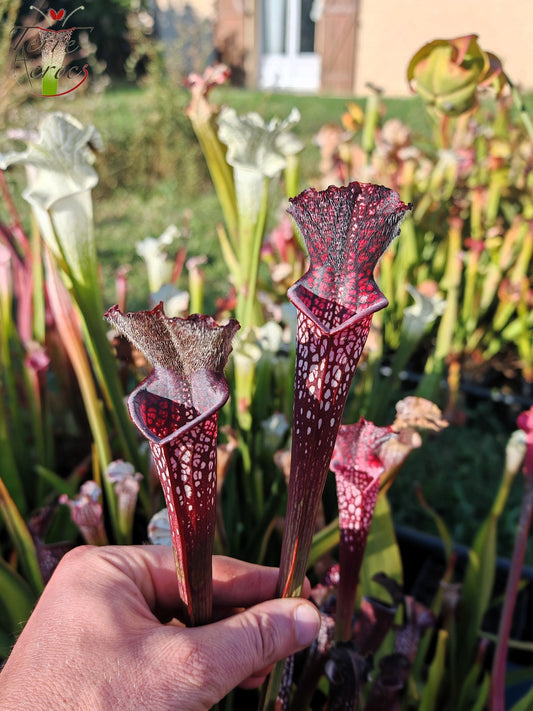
(100, 638)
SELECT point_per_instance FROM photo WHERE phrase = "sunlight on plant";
(245, 436)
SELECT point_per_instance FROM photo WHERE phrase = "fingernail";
(307, 620)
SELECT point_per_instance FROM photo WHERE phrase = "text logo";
(45, 59)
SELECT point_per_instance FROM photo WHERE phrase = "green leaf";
(382, 553)
(431, 691)
(16, 599)
(483, 695)
(59, 484)
(231, 260)
(441, 526)
(525, 703)
(470, 688)
(10, 473)
(324, 541)
(21, 539)
(220, 171)
(479, 576)
(519, 674)
(6, 643)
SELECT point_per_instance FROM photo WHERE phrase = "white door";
(288, 60)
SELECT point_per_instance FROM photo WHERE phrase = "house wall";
(363, 41)
(203, 8)
(391, 31)
(236, 39)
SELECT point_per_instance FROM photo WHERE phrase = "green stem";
(478, 580)
(250, 309)
(469, 311)
(103, 360)
(249, 481)
(371, 120)
(38, 417)
(271, 688)
(292, 176)
(10, 473)
(522, 111)
(221, 173)
(63, 311)
(228, 254)
(39, 308)
(196, 291)
(498, 182)
(325, 541)
(448, 325)
(93, 405)
(429, 700)
(21, 538)
(88, 299)
(520, 268)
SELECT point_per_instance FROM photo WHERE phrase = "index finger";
(236, 583)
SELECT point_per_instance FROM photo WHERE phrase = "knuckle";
(78, 557)
(267, 638)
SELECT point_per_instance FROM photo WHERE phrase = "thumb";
(250, 642)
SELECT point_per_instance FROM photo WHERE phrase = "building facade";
(298, 45)
(338, 46)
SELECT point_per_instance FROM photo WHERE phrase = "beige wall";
(391, 31)
(204, 8)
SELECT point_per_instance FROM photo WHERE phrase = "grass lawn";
(127, 209)
(152, 173)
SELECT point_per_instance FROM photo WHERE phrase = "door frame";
(289, 69)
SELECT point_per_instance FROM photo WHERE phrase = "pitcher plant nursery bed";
(252, 427)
